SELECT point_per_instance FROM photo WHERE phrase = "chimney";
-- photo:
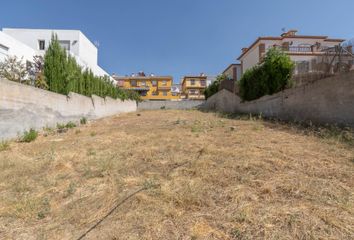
(290, 33)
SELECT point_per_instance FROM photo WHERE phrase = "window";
(41, 44)
(202, 83)
(192, 82)
(193, 92)
(155, 93)
(65, 44)
(143, 83)
(121, 83)
(133, 83)
(164, 93)
(3, 49)
(154, 83)
(164, 83)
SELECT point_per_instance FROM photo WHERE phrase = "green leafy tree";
(272, 76)
(214, 86)
(13, 69)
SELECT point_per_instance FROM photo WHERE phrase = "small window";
(164, 83)
(41, 44)
(65, 44)
(202, 83)
(192, 81)
(143, 83)
(164, 93)
(154, 83)
(155, 93)
(133, 83)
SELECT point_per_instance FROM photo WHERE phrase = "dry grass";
(211, 178)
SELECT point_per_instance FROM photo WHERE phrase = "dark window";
(192, 81)
(155, 93)
(41, 44)
(202, 83)
(133, 83)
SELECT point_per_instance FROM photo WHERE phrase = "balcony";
(297, 49)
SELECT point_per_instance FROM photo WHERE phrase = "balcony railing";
(299, 49)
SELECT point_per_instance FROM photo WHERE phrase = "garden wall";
(155, 105)
(329, 100)
(23, 107)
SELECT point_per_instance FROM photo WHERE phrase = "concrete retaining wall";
(23, 107)
(329, 100)
(155, 105)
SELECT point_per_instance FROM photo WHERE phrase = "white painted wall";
(81, 47)
(11, 47)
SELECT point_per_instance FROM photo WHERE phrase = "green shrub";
(83, 121)
(29, 136)
(272, 76)
(61, 126)
(214, 87)
(4, 145)
(70, 125)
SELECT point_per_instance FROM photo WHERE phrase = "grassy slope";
(213, 178)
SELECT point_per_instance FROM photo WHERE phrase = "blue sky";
(179, 37)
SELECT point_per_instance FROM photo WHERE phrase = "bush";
(83, 121)
(272, 76)
(70, 125)
(214, 87)
(29, 136)
(4, 145)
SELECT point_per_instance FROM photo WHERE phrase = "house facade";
(38, 40)
(233, 72)
(304, 50)
(193, 87)
(149, 87)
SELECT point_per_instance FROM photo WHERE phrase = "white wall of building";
(81, 47)
(11, 47)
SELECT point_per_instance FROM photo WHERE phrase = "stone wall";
(23, 107)
(155, 105)
(329, 100)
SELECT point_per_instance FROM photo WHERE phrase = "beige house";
(193, 87)
(304, 50)
(233, 71)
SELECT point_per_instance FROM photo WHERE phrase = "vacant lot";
(204, 177)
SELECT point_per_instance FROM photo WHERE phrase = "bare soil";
(204, 177)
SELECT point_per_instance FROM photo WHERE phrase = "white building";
(11, 47)
(302, 49)
(38, 40)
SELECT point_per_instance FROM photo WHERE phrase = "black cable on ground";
(110, 212)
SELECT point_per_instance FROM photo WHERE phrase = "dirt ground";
(203, 176)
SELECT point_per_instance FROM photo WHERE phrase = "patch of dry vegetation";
(211, 178)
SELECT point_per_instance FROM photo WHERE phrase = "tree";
(55, 66)
(270, 77)
(214, 86)
(13, 69)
